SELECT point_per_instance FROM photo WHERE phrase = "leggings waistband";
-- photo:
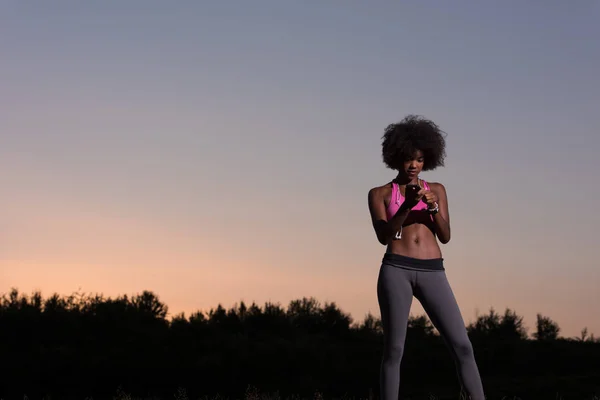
(400, 261)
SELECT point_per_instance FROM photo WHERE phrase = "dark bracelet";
(434, 210)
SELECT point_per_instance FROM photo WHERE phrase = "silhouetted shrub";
(81, 346)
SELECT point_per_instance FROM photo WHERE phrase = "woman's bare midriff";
(418, 241)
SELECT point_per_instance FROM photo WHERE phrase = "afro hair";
(402, 139)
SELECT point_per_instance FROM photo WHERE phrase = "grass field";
(253, 393)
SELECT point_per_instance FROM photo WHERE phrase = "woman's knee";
(463, 348)
(393, 351)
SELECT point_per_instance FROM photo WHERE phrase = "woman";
(408, 214)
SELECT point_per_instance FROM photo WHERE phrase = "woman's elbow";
(383, 240)
(444, 239)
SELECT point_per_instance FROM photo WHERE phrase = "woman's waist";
(415, 250)
(409, 262)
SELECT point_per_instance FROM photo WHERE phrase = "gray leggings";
(395, 289)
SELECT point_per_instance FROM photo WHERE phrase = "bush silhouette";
(80, 346)
(546, 328)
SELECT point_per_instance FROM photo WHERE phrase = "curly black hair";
(402, 139)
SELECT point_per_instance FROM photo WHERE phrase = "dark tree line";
(82, 346)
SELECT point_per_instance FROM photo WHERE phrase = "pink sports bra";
(397, 199)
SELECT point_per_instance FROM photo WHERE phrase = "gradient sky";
(214, 152)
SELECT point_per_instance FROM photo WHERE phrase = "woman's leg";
(434, 293)
(394, 293)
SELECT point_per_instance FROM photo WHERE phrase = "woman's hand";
(430, 198)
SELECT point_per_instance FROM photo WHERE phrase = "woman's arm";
(385, 229)
(442, 217)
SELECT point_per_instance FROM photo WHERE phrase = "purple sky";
(223, 151)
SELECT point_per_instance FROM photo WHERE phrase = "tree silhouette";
(546, 328)
(370, 325)
(334, 320)
(420, 325)
(149, 305)
(584, 337)
(493, 326)
(304, 313)
(84, 345)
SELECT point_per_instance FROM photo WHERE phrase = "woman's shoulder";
(436, 187)
(381, 191)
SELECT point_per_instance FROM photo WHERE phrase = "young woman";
(409, 216)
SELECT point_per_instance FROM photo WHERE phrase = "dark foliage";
(546, 329)
(88, 346)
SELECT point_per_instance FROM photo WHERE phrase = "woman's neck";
(404, 180)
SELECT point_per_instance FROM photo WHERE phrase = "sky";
(218, 152)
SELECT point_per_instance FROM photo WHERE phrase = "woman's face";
(414, 164)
